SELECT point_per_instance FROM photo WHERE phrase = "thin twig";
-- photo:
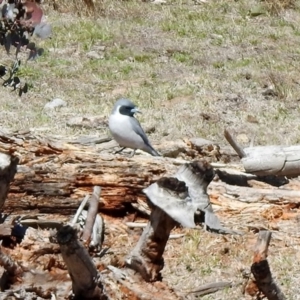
(79, 210)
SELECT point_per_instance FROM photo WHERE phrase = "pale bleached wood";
(268, 160)
(251, 195)
(91, 215)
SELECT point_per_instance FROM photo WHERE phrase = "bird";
(126, 129)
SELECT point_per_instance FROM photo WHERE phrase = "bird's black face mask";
(128, 111)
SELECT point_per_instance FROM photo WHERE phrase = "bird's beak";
(135, 110)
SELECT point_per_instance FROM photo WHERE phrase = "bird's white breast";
(123, 133)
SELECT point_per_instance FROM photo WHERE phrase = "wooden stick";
(92, 213)
(210, 288)
(238, 149)
(147, 256)
(80, 209)
(261, 270)
(85, 278)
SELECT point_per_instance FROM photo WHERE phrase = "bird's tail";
(153, 152)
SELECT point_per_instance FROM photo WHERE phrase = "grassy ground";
(193, 69)
(197, 68)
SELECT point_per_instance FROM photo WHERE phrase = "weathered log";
(261, 270)
(251, 195)
(268, 160)
(59, 183)
(53, 177)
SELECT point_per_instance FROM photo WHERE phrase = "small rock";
(57, 102)
(88, 122)
(101, 48)
(198, 143)
(94, 55)
(216, 36)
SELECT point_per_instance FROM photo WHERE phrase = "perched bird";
(126, 129)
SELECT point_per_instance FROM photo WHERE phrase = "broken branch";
(85, 278)
(261, 270)
(238, 149)
(91, 215)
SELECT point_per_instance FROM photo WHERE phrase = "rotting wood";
(53, 177)
(261, 270)
(147, 257)
(180, 199)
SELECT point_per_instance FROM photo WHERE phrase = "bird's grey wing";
(136, 126)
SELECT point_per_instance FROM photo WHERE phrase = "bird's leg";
(119, 151)
(132, 153)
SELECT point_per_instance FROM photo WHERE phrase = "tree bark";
(58, 183)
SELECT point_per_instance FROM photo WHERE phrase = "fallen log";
(268, 160)
(252, 195)
(54, 176)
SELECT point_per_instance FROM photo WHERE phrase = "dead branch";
(91, 215)
(238, 149)
(182, 200)
(79, 210)
(210, 288)
(146, 258)
(261, 270)
(85, 278)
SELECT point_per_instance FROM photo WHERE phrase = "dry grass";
(277, 6)
(176, 61)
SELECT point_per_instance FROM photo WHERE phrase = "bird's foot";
(132, 153)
